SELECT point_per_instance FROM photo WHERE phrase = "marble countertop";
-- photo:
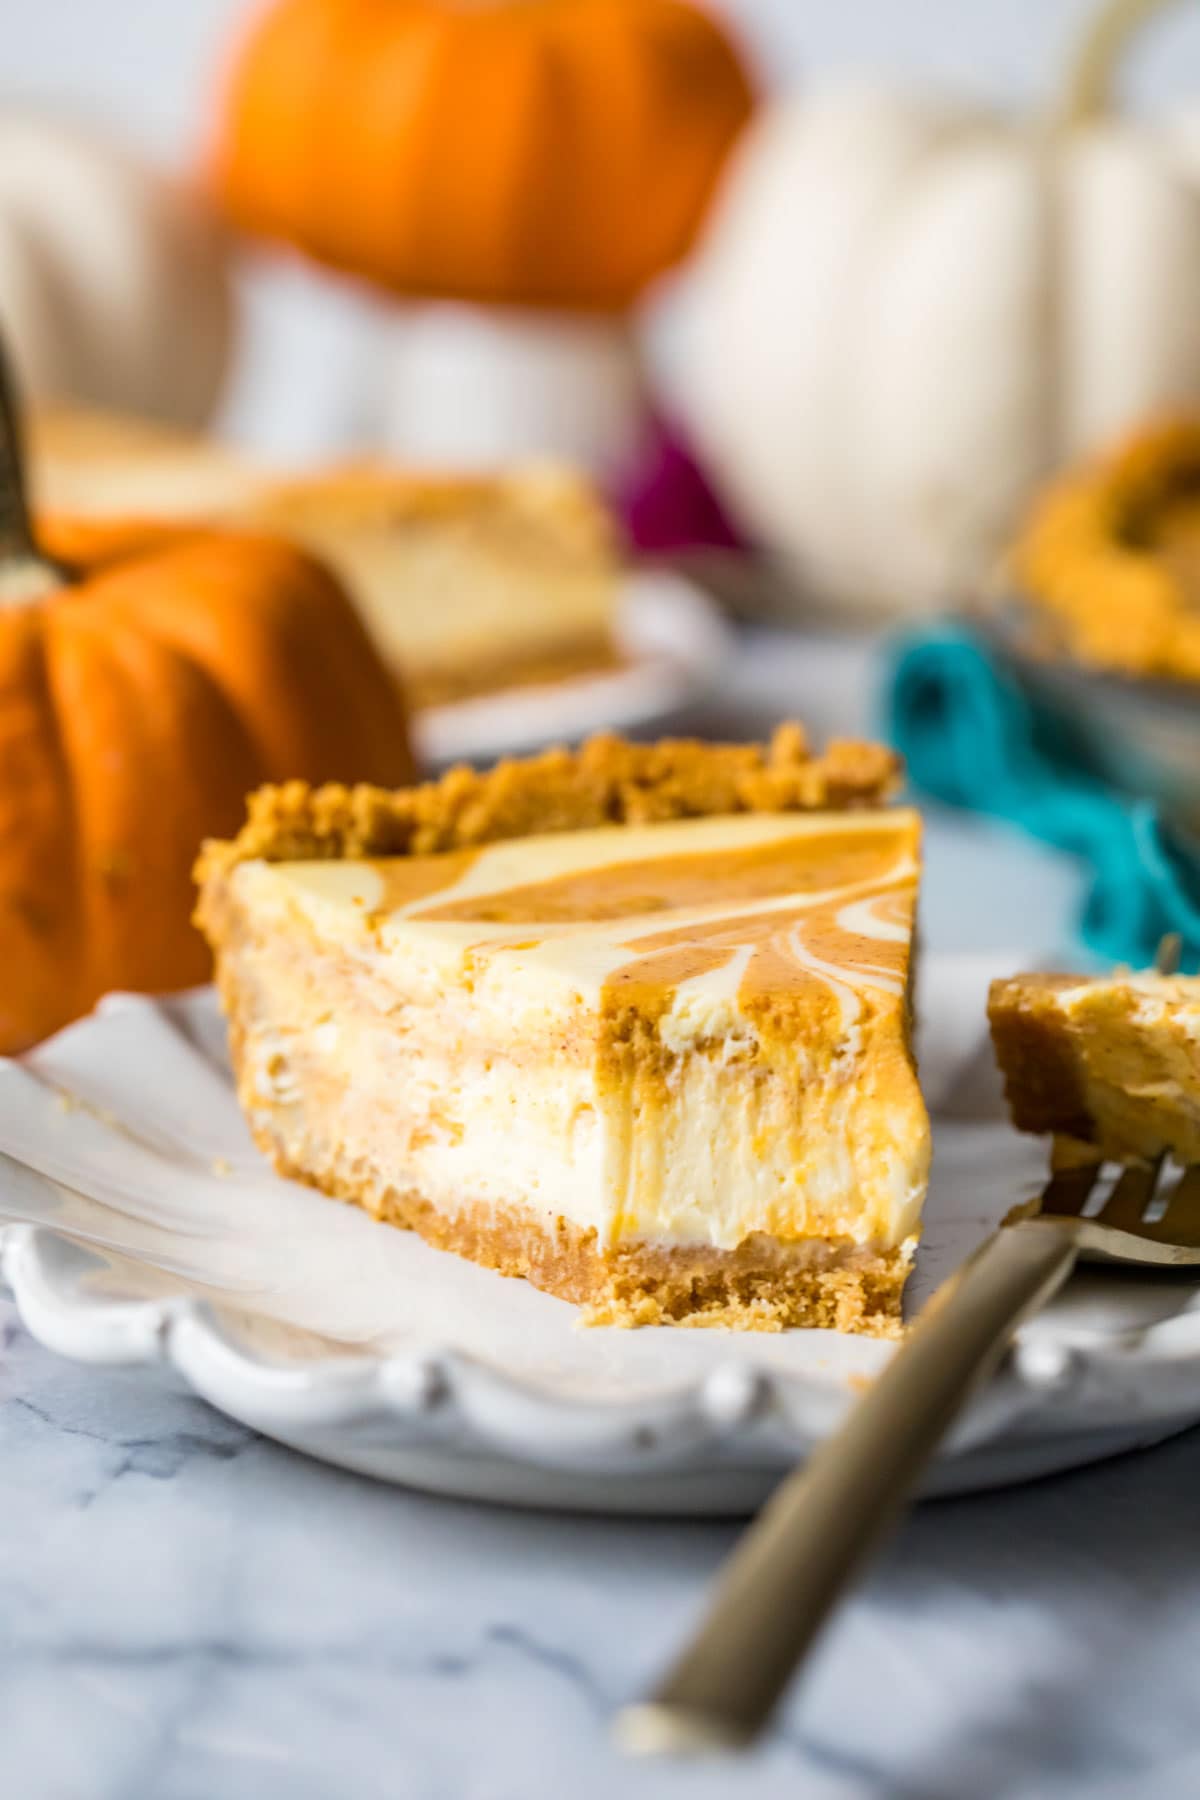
(187, 1611)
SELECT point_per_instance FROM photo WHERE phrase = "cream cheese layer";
(745, 984)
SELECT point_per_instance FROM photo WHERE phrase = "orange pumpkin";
(137, 709)
(532, 152)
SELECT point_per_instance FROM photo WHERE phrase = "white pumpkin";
(908, 310)
(114, 282)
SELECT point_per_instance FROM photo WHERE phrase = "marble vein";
(225, 1618)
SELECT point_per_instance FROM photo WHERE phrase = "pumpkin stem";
(1088, 90)
(24, 571)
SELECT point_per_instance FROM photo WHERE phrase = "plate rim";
(446, 1424)
(738, 1416)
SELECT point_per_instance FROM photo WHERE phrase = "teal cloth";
(971, 739)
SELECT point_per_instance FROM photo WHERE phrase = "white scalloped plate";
(674, 643)
(137, 1224)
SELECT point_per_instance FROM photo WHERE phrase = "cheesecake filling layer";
(691, 1035)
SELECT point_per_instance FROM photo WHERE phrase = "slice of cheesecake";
(632, 1022)
(1111, 1060)
(468, 584)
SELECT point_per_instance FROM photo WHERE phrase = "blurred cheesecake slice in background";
(468, 584)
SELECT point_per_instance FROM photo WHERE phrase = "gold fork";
(792, 1566)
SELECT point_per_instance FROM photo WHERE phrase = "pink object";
(666, 502)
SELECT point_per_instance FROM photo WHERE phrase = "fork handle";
(793, 1564)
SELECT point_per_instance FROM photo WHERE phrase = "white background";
(150, 65)
(304, 384)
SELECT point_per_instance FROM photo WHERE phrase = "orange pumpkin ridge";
(137, 710)
(560, 154)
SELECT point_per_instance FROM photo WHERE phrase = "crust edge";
(608, 781)
(760, 1286)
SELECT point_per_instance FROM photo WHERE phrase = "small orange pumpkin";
(138, 707)
(554, 153)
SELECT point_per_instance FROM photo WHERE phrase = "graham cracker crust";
(1103, 589)
(762, 1285)
(609, 781)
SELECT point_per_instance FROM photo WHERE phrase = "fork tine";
(1169, 954)
(1066, 1192)
(1180, 1222)
(1131, 1195)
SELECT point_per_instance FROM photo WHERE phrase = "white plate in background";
(675, 643)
